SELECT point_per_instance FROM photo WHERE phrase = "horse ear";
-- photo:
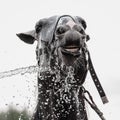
(27, 37)
(82, 21)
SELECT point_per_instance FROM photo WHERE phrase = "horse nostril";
(83, 37)
(72, 38)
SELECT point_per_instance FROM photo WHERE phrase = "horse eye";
(61, 30)
(39, 25)
(38, 28)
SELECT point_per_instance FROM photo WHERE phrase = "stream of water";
(22, 71)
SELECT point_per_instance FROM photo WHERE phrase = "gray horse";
(62, 67)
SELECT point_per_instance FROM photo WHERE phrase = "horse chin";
(68, 56)
(74, 58)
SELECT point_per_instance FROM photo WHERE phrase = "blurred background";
(103, 21)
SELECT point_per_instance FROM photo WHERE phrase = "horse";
(63, 64)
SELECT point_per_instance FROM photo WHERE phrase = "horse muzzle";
(71, 43)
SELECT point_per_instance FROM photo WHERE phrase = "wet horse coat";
(62, 67)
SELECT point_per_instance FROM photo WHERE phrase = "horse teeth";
(72, 49)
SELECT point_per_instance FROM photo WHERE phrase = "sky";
(103, 23)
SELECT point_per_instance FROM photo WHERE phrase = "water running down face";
(70, 38)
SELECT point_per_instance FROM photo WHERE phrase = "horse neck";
(56, 93)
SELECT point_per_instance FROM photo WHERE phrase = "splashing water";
(66, 86)
(22, 71)
(23, 77)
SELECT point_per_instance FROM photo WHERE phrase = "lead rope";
(96, 80)
(92, 103)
